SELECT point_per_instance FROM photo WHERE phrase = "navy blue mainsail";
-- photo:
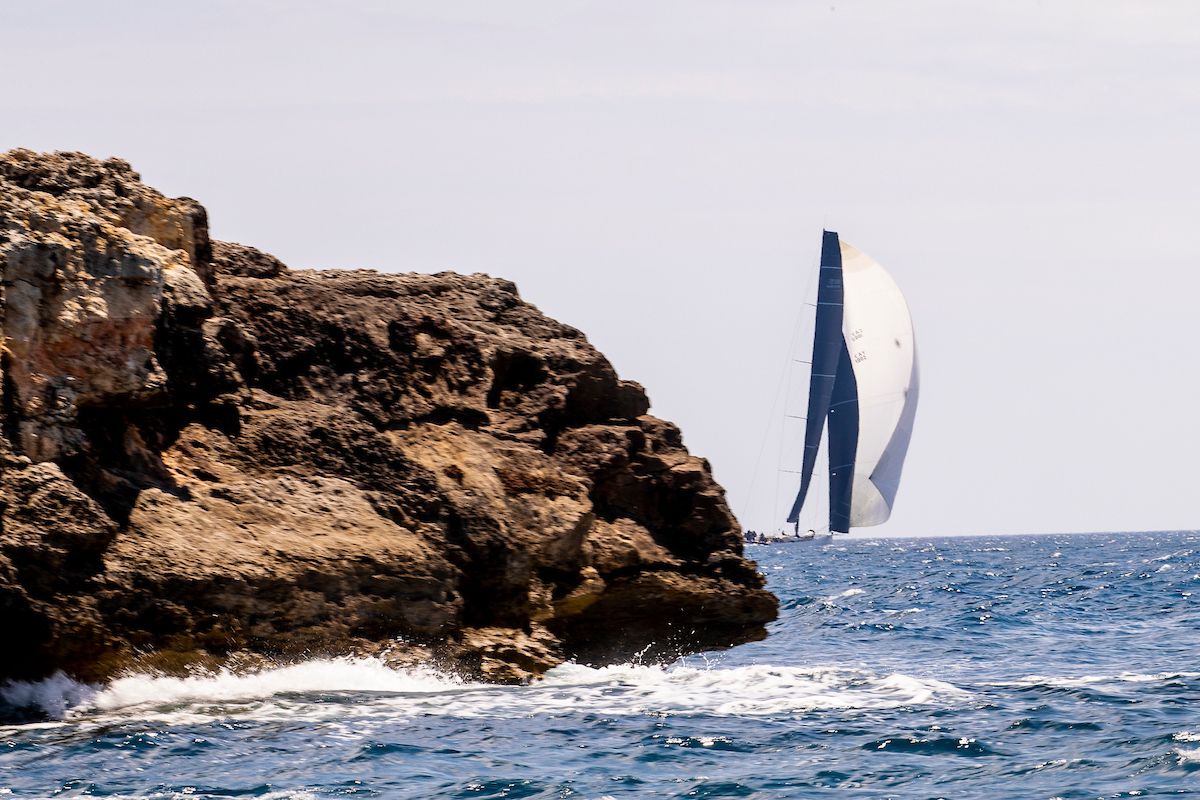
(828, 346)
(843, 442)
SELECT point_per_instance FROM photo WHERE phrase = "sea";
(1054, 666)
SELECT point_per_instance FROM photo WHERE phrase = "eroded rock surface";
(207, 457)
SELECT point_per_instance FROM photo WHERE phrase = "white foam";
(191, 698)
(321, 675)
(1186, 755)
(1186, 736)
(738, 691)
(842, 595)
(1065, 682)
(366, 687)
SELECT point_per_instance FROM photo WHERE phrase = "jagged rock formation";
(207, 456)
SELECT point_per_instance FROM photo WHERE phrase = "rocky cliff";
(207, 457)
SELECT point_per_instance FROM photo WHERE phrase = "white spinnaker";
(879, 337)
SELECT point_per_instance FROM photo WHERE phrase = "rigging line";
(797, 332)
(797, 326)
(762, 448)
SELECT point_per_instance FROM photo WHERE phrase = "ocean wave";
(190, 793)
(1188, 756)
(1066, 682)
(842, 595)
(316, 676)
(365, 686)
(1065, 688)
(55, 695)
(936, 745)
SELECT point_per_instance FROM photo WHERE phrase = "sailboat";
(862, 396)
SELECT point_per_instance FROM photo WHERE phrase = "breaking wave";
(364, 686)
(1066, 682)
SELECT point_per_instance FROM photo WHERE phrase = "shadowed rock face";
(209, 458)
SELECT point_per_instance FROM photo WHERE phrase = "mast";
(829, 358)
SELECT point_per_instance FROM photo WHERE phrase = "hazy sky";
(658, 173)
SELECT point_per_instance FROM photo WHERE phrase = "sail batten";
(863, 388)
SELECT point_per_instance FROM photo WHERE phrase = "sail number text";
(855, 335)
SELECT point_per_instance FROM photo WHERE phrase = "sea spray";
(53, 696)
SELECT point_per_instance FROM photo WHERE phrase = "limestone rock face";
(208, 457)
(88, 254)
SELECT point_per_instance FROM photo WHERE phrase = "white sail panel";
(878, 330)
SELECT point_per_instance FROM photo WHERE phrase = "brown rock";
(210, 458)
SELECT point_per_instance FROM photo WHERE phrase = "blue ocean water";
(1009, 667)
